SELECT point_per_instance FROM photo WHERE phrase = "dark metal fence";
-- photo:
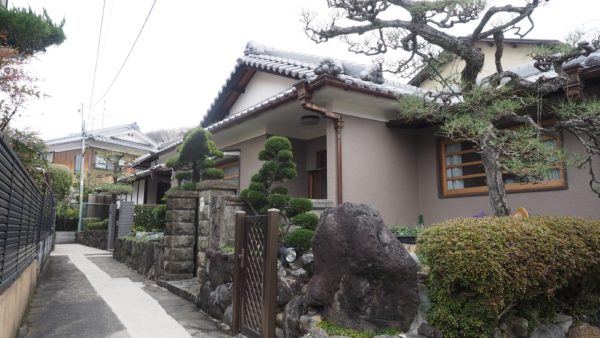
(26, 216)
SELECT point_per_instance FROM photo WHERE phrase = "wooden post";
(240, 232)
(270, 274)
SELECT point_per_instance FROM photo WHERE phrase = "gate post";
(270, 277)
(238, 261)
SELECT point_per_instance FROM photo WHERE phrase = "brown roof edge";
(255, 113)
(329, 80)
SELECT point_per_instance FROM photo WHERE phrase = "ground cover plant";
(483, 269)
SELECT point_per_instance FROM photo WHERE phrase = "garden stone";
(293, 311)
(279, 333)
(429, 331)
(308, 262)
(279, 319)
(584, 330)
(219, 267)
(228, 315)
(520, 327)
(287, 288)
(299, 273)
(310, 322)
(364, 278)
(548, 331)
(563, 321)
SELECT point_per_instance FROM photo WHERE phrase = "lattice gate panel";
(255, 283)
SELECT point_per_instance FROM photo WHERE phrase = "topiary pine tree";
(197, 153)
(265, 191)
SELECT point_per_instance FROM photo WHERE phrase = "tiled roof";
(162, 148)
(104, 135)
(308, 67)
(144, 173)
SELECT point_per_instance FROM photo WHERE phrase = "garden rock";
(219, 267)
(584, 330)
(563, 321)
(364, 278)
(295, 309)
(520, 327)
(228, 315)
(548, 331)
(287, 288)
(308, 262)
(429, 331)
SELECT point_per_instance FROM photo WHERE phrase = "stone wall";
(216, 200)
(180, 234)
(95, 238)
(145, 257)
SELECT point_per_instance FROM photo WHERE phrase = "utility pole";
(81, 174)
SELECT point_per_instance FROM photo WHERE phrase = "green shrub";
(306, 220)
(406, 231)
(183, 175)
(101, 225)
(333, 329)
(89, 220)
(149, 217)
(482, 266)
(213, 174)
(300, 239)
(299, 205)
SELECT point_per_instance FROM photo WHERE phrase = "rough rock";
(308, 262)
(287, 288)
(548, 331)
(429, 331)
(219, 267)
(228, 315)
(563, 321)
(293, 311)
(584, 330)
(364, 277)
(520, 327)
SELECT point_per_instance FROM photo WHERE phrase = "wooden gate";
(255, 274)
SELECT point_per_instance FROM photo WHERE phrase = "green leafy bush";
(149, 217)
(300, 239)
(213, 174)
(481, 267)
(183, 175)
(306, 220)
(89, 220)
(61, 180)
(101, 225)
(406, 231)
(333, 329)
(299, 205)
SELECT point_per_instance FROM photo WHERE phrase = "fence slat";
(26, 214)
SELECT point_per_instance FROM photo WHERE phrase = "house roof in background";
(300, 66)
(423, 74)
(162, 148)
(108, 135)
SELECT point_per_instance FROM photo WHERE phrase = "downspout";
(305, 96)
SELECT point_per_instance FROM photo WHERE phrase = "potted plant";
(406, 235)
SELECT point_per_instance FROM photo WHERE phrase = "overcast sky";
(184, 55)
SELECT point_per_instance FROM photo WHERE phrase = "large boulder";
(584, 330)
(363, 278)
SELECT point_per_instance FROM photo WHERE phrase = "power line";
(128, 54)
(97, 57)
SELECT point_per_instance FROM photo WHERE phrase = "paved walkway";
(84, 292)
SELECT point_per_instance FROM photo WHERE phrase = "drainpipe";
(305, 96)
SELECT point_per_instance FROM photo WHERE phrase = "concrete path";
(84, 292)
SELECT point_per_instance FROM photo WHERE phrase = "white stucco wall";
(261, 87)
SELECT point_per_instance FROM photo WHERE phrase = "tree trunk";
(195, 172)
(495, 183)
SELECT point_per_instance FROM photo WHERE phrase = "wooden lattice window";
(462, 172)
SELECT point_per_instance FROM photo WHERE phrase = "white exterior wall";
(261, 87)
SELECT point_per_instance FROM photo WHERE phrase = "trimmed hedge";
(300, 239)
(149, 217)
(484, 267)
(100, 225)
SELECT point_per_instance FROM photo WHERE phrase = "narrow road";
(84, 292)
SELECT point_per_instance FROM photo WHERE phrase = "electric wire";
(97, 58)
(128, 55)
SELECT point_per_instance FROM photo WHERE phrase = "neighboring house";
(152, 178)
(124, 139)
(348, 145)
(515, 52)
